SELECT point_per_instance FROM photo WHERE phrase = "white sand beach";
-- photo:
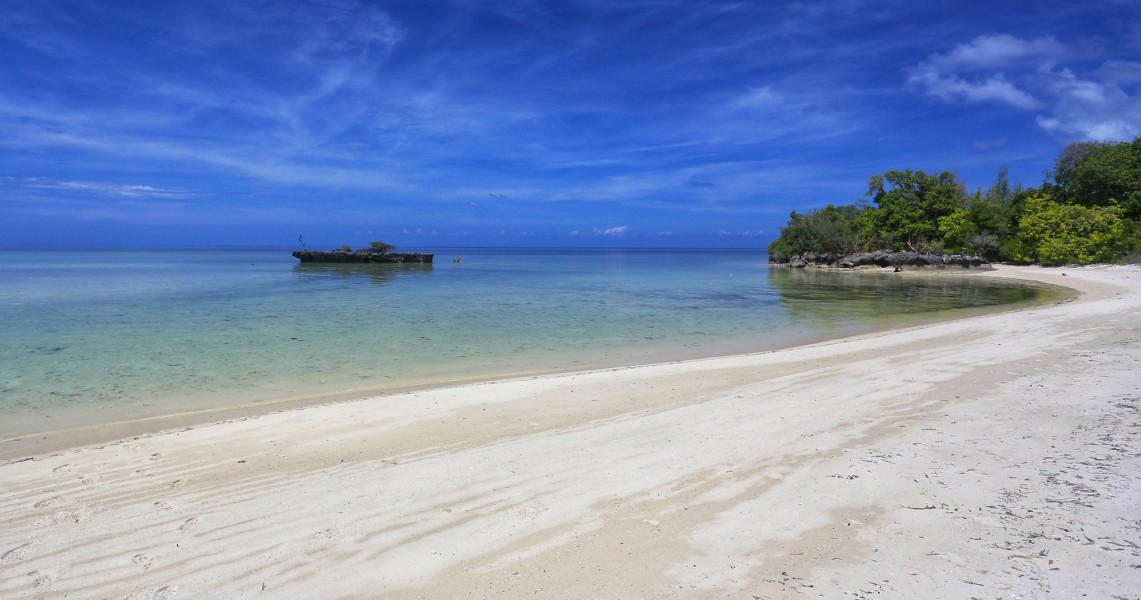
(989, 457)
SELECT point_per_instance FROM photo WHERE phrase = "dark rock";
(881, 258)
(346, 256)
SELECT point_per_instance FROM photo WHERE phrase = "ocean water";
(93, 337)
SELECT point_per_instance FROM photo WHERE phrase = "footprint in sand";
(65, 468)
(188, 524)
(43, 503)
(78, 515)
(164, 592)
(14, 554)
(143, 560)
(156, 456)
(164, 505)
(42, 578)
(177, 483)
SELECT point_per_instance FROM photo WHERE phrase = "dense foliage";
(830, 229)
(1088, 210)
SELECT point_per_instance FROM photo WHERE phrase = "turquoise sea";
(92, 337)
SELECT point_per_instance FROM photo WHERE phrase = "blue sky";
(657, 123)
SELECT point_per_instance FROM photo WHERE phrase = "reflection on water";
(374, 273)
(816, 297)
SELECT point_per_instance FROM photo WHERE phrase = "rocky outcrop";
(347, 256)
(882, 259)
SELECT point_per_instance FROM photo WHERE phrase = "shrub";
(830, 230)
(1056, 234)
(380, 247)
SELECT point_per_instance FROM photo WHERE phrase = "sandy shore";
(991, 457)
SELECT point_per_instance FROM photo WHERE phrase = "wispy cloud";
(950, 87)
(941, 74)
(1101, 104)
(1106, 108)
(990, 52)
(462, 117)
(990, 145)
(109, 189)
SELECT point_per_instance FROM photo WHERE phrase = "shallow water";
(93, 337)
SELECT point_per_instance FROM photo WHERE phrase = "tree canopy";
(909, 205)
(381, 247)
(1100, 174)
(830, 229)
(1089, 212)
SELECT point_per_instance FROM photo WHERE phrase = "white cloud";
(1094, 110)
(1121, 72)
(951, 87)
(616, 231)
(996, 51)
(103, 188)
(941, 75)
(1104, 104)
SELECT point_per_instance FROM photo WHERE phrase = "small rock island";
(377, 252)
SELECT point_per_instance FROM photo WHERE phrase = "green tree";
(1001, 191)
(984, 223)
(956, 228)
(380, 247)
(831, 229)
(1053, 233)
(1100, 174)
(909, 205)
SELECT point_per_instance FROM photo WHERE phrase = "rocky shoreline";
(884, 259)
(361, 256)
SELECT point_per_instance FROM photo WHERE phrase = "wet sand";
(990, 457)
